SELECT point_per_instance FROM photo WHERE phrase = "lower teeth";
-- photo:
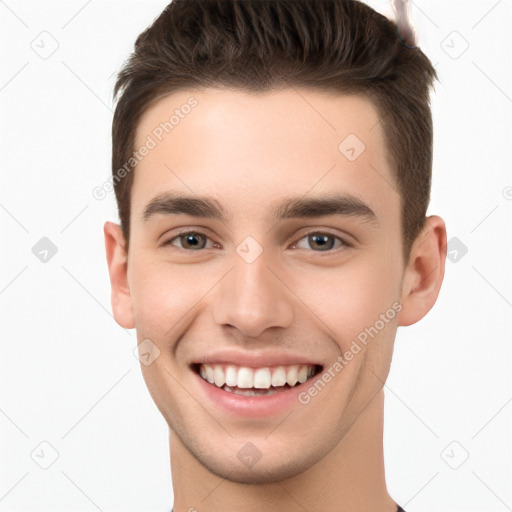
(253, 391)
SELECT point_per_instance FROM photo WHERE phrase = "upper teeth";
(261, 378)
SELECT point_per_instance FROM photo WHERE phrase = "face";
(265, 246)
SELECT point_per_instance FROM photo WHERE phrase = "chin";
(266, 470)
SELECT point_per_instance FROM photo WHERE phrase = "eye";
(189, 240)
(323, 241)
(196, 241)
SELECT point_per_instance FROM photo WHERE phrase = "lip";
(263, 406)
(261, 360)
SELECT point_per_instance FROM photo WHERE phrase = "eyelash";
(344, 244)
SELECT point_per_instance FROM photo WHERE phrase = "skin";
(251, 151)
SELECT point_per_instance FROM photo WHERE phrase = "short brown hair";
(341, 46)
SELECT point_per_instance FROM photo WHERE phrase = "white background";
(68, 376)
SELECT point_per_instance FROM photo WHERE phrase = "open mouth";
(246, 381)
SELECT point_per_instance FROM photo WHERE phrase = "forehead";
(250, 149)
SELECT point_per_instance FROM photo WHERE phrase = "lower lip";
(252, 406)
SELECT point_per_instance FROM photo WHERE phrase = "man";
(272, 165)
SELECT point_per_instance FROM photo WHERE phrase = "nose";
(252, 298)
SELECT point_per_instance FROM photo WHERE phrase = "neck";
(350, 478)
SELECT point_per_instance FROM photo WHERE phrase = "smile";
(246, 381)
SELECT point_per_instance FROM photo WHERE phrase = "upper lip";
(256, 360)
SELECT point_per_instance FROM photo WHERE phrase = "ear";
(424, 272)
(117, 260)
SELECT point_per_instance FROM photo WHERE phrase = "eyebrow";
(173, 203)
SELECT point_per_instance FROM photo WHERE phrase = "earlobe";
(424, 272)
(117, 261)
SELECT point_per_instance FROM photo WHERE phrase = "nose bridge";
(251, 297)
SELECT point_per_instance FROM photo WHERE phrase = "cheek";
(163, 297)
(350, 298)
